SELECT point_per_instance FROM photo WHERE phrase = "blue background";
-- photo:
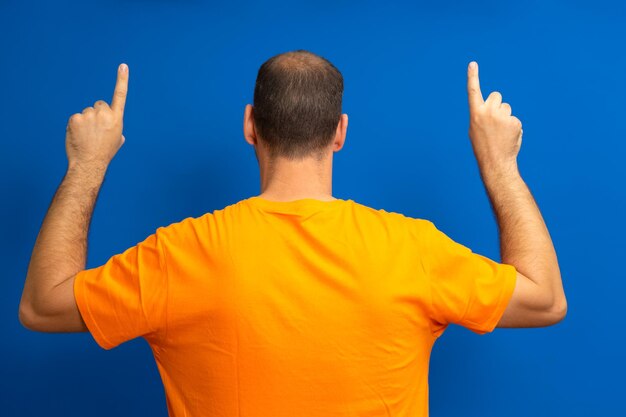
(193, 65)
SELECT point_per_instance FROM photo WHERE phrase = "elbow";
(27, 317)
(24, 316)
(558, 311)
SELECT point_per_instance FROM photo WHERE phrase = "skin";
(285, 180)
(94, 136)
(538, 298)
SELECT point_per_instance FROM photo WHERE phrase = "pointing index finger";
(121, 89)
(474, 95)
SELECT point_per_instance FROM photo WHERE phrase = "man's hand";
(496, 135)
(95, 135)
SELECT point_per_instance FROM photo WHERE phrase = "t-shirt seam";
(431, 319)
(461, 319)
(164, 267)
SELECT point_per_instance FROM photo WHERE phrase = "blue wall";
(192, 70)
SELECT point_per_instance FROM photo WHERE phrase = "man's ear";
(249, 133)
(340, 136)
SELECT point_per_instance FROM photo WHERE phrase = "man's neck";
(286, 180)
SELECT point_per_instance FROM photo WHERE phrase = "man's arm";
(60, 252)
(538, 298)
(92, 139)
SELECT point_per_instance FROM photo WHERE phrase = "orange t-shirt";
(303, 308)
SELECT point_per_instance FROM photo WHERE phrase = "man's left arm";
(93, 138)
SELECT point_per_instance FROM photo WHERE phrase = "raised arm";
(538, 298)
(92, 139)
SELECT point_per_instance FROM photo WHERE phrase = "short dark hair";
(297, 104)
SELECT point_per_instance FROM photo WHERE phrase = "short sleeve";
(466, 288)
(126, 297)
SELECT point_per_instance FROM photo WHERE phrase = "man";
(293, 302)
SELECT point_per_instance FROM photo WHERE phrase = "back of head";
(297, 104)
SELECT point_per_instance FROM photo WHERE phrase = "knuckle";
(106, 115)
(476, 116)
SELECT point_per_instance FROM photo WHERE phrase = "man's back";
(293, 302)
(293, 308)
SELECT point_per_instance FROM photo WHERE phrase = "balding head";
(297, 104)
(300, 60)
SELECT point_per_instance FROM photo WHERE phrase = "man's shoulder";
(202, 221)
(203, 217)
(391, 215)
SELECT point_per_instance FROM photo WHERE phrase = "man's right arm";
(538, 298)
